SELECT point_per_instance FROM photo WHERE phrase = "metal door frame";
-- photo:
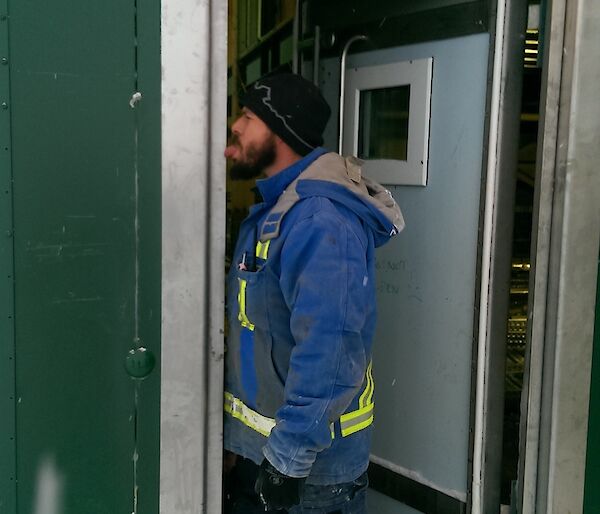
(194, 89)
(497, 205)
(565, 247)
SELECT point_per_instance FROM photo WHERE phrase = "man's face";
(252, 146)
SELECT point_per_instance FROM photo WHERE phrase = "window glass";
(383, 123)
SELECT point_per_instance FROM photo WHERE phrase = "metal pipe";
(353, 39)
(295, 37)
(316, 53)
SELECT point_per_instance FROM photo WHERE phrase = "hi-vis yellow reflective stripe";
(262, 249)
(367, 395)
(356, 420)
(369, 398)
(245, 322)
(252, 419)
(350, 423)
(247, 416)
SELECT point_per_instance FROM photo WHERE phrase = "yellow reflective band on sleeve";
(367, 394)
(262, 249)
(243, 319)
(356, 420)
(350, 423)
(252, 419)
(370, 377)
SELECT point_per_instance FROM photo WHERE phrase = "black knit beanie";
(292, 107)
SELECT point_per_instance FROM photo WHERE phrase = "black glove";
(276, 490)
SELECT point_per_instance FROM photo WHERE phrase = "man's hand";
(277, 491)
(229, 461)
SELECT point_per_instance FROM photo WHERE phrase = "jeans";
(348, 498)
(240, 498)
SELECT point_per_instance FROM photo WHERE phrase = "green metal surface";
(592, 471)
(7, 342)
(150, 192)
(140, 362)
(86, 170)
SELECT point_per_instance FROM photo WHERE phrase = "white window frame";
(417, 74)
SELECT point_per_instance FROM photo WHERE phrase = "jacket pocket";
(251, 299)
(254, 317)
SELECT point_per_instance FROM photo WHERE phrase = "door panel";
(79, 272)
(427, 276)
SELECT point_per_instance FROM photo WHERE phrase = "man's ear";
(284, 149)
(281, 146)
(278, 140)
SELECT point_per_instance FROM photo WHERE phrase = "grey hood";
(341, 180)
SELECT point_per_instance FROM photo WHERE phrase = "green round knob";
(139, 362)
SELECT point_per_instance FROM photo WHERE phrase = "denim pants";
(348, 498)
(240, 498)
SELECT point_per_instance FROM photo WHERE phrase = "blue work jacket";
(301, 306)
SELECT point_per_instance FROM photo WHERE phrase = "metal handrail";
(360, 37)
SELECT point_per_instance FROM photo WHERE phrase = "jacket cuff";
(289, 468)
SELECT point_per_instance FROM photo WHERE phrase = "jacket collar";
(271, 188)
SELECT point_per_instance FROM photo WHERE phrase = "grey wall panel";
(426, 276)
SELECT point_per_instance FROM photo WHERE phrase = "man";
(301, 307)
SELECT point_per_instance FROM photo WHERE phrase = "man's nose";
(236, 127)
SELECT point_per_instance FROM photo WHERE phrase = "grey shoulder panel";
(344, 171)
(323, 168)
(271, 225)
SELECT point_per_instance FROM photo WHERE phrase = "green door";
(85, 192)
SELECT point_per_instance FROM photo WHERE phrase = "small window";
(386, 120)
(383, 123)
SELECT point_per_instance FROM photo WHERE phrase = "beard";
(255, 159)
